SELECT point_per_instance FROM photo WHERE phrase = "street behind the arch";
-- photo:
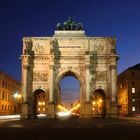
(121, 129)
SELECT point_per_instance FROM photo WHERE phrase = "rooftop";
(135, 67)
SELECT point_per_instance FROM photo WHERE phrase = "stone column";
(113, 83)
(25, 71)
(114, 104)
(25, 83)
(51, 106)
(51, 95)
(86, 107)
(87, 84)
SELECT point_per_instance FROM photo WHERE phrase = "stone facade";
(46, 60)
(129, 91)
(10, 95)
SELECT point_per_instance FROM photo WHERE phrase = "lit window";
(133, 108)
(43, 109)
(133, 90)
(38, 103)
(43, 103)
(120, 85)
(38, 109)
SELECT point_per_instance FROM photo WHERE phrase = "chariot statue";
(69, 25)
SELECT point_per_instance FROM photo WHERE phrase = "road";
(72, 128)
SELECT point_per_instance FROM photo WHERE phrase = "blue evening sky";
(20, 18)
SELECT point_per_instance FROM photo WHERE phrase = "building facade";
(69, 52)
(129, 91)
(10, 95)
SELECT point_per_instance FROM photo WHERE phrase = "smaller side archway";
(98, 103)
(40, 102)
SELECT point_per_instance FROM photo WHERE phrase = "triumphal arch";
(92, 60)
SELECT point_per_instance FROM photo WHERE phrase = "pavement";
(123, 128)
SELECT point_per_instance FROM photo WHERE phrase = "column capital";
(26, 67)
(113, 67)
(25, 57)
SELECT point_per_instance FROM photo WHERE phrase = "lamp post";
(17, 102)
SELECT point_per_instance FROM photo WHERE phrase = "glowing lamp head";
(16, 95)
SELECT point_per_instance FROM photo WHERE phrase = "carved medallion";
(39, 48)
(99, 47)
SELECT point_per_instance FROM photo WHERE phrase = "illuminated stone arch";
(92, 60)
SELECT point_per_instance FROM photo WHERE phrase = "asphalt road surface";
(73, 128)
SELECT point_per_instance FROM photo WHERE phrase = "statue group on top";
(69, 25)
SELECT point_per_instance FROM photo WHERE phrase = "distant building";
(10, 95)
(129, 91)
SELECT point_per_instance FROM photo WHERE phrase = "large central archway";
(69, 91)
(76, 101)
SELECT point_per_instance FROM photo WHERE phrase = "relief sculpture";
(38, 76)
(101, 76)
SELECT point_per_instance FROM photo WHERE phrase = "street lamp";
(17, 95)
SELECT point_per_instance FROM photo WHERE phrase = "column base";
(114, 110)
(24, 111)
(86, 111)
(51, 110)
